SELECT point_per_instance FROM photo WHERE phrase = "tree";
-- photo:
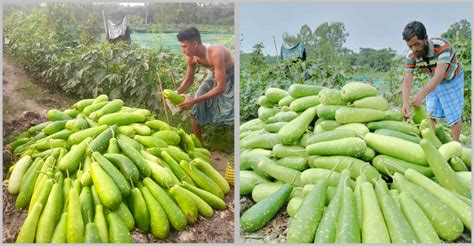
(325, 42)
(376, 60)
(289, 40)
(192, 13)
(91, 30)
(136, 20)
(305, 35)
(463, 27)
(329, 40)
(256, 57)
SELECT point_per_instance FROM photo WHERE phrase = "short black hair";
(414, 28)
(189, 34)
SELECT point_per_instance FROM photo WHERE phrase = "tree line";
(152, 17)
(326, 43)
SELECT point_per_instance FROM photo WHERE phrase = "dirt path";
(26, 102)
(14, 100)
(22, 93)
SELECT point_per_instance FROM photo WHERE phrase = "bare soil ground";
(273, 232)
(26, 102)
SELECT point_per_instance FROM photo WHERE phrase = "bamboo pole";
(276, 50)
(146, 14)
(105, 26)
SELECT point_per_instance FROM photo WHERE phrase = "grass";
(466, 128)
(28, 89)
(466, 131)
(220, 138)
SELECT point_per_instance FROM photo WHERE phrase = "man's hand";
(179, 90)
(188, 102)
(406, 110)
(417, 100)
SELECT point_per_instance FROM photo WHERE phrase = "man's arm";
(189, 77)
(432, 84)
(406, 88)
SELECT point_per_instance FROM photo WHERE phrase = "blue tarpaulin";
(297, 51)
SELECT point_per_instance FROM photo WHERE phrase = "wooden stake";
(162, 97)
(174, 79)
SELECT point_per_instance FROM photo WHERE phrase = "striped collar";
(430, 48)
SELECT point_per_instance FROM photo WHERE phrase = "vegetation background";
(331, 64)
(63, 45)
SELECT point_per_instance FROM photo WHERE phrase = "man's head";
(417, 39)
(189, 40)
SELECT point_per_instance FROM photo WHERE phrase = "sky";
(369, 25)
(132, 4)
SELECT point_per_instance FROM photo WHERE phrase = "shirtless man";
(213, 103)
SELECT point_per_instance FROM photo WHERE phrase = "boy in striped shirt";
(444, 92)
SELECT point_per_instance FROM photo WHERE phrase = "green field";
(168, 40)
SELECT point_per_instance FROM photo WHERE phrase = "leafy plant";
(74, 63)
(463, 51)
(87, 70)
